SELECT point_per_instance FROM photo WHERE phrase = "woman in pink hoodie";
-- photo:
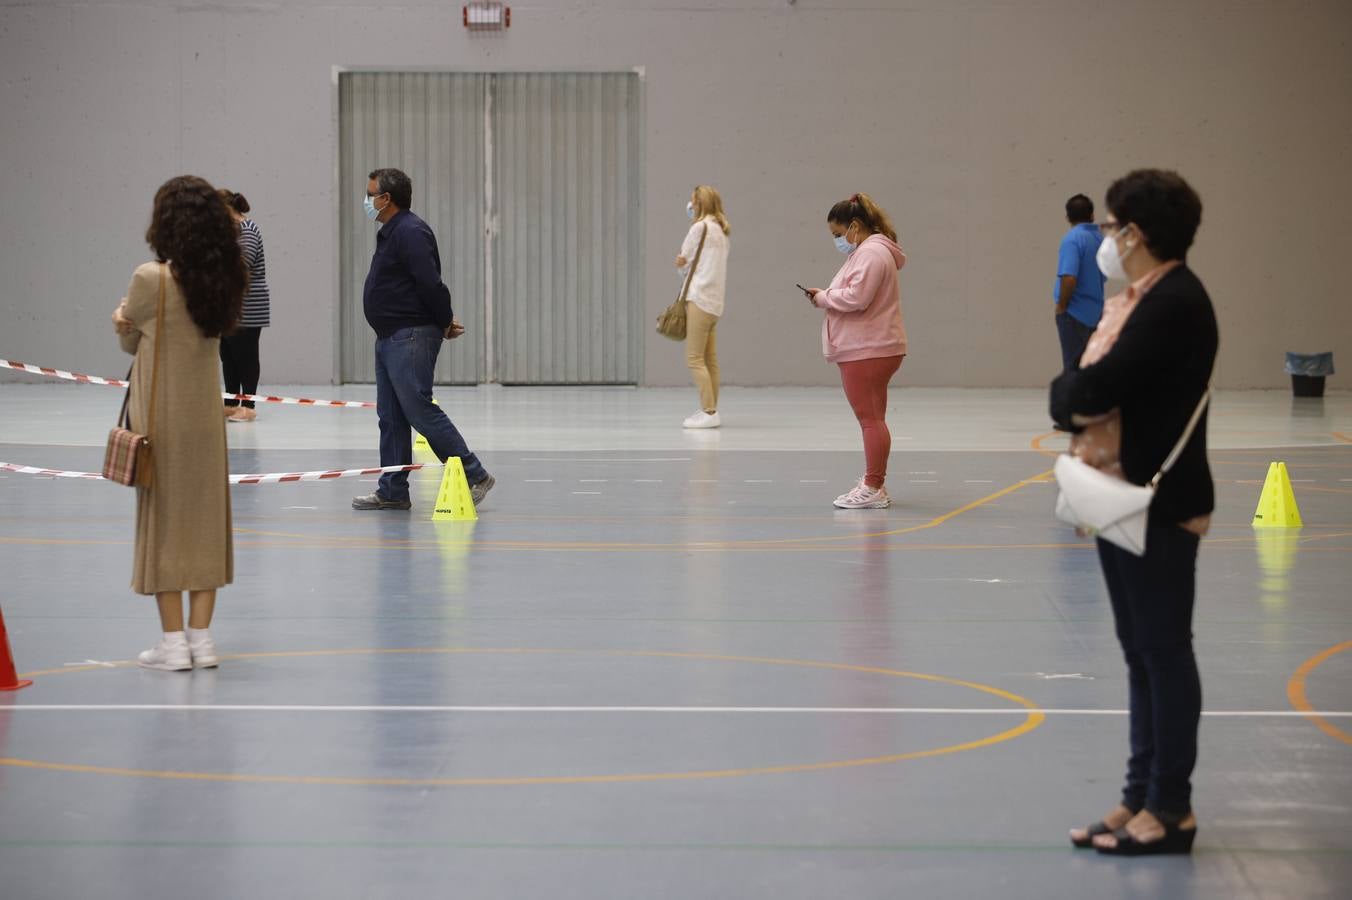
(863, 333)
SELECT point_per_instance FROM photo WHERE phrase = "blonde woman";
(706, 250)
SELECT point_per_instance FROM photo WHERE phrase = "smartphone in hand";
(805, 291)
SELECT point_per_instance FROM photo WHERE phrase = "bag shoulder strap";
(690, 276)
(123, 418)
(159, 340)
(1183, 441)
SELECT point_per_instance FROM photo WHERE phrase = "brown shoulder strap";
(690, 276)
(159, 339)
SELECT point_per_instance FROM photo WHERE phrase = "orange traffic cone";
(9, 679)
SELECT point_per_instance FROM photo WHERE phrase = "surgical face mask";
(689, 210)
(369, 204)
(843, 245)
(1110, 260)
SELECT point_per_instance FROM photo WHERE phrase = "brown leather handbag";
(671, 323)
(128, 459)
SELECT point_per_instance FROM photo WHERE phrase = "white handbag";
(1110, 507)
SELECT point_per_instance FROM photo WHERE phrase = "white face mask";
(1110, 260)
(369, 204)
(689, 210)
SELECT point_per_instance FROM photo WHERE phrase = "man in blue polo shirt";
(1079, 283)
(409, 307)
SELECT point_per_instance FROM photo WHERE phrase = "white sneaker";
(703, 419)
(864, 497)
(203, 653)
(166, 656)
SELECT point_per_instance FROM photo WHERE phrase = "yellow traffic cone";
(454, 503)
(1277, 506)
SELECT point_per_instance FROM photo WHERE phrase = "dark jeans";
(1152, 598)
(239, 364)
(404, 364)
(1074, 334)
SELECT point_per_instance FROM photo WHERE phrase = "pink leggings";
(865, 382)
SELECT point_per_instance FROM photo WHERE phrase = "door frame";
(335, 191)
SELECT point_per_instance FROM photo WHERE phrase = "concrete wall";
(970, 121)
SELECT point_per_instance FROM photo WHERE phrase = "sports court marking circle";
(1295, 691)
(1033, 719)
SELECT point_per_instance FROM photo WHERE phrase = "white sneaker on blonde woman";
(864, 497)
(202, 649)
(169, 655)
(703, 419)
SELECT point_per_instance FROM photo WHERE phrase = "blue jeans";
(404, 365)
(1152, 599)
(1074, 335)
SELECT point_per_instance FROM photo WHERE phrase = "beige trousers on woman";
(701, 354)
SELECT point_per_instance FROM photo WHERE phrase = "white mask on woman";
(1110, 260)
(689, 210)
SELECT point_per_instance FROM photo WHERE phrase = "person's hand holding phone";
(810, 294)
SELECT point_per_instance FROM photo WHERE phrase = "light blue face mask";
(844, 246)
(369, 204)
(690, 210)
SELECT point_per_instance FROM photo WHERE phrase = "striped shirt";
(257, 303)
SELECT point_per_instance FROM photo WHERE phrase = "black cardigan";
(1155, 374)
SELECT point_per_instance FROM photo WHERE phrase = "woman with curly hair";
(183, 539)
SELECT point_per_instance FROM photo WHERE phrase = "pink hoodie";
(863, 304)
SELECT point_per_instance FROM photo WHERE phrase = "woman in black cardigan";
(1153, 376)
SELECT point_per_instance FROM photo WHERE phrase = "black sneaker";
(375, 501)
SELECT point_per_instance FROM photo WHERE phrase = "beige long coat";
(183, 526)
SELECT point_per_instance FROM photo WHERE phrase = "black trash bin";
(1308, 371)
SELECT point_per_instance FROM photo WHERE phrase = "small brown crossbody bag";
(128, 459)
(672, 322)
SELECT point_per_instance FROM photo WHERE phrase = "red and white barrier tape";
(115, 382)
(268, 478)
(60, 373)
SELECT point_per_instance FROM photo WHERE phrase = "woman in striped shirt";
(239, 350)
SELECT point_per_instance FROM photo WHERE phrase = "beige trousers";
(701, 354)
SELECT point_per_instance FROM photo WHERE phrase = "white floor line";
(607, 460)
(587, 493)
(977, 481)
(840, 710)
(759, 481)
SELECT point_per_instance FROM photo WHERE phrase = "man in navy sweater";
(409, 307)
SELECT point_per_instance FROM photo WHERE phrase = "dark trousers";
(1074, 335)
(1152, 599)
(405, 362)
(239, 363)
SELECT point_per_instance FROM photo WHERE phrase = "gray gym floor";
(661, 664)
